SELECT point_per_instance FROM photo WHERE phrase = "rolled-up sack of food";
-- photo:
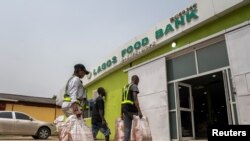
(75, 129)
(140, 130)
(119, 130)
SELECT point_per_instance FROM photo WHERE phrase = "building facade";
(40, 108)
(193, 69)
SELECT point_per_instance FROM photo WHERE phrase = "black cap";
(82, 67)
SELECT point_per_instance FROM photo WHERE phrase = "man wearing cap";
(75, 96)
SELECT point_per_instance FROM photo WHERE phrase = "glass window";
(212, 57)
(91, 106)
(171, 96)
(173, 126)
(181, 66)
(87, 113)
(184, 96)
(6, 115)
(186, 124)
(22, 116)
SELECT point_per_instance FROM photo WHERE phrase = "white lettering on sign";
(216, 132)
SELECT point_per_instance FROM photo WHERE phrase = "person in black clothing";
(98, 120)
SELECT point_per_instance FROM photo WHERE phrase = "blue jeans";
(99, 126)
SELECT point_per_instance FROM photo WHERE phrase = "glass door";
(185, 111)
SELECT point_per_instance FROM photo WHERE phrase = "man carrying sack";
(75, 96)
(130, 105)
(73, 127)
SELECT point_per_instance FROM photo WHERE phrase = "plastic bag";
(59, 122)
(75, 129)
(119, 130)
(140, 130)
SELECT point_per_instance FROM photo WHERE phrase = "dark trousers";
(98, 126)
(128, 117)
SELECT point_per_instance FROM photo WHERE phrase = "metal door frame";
(179, 109)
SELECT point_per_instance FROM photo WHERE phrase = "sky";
(41, 40)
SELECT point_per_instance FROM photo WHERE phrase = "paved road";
(27, 138)
(24, 138)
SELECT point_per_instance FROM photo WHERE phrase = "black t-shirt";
(133, 88)
(98, 105)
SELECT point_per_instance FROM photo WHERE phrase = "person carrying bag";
(130, 105)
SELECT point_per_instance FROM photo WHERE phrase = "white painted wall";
(238, 45)
(153, 97)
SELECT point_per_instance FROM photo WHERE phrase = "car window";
(6, 115)
(22, 116)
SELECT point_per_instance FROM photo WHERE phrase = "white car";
(17, 123)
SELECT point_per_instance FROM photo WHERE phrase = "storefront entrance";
(186, 111)
(202, 101)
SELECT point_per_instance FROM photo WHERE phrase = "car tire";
(43, 133)
(35, 137)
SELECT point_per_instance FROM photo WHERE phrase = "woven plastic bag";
(59, 122)
(75, 129)
(140, 130)
(119, 130)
